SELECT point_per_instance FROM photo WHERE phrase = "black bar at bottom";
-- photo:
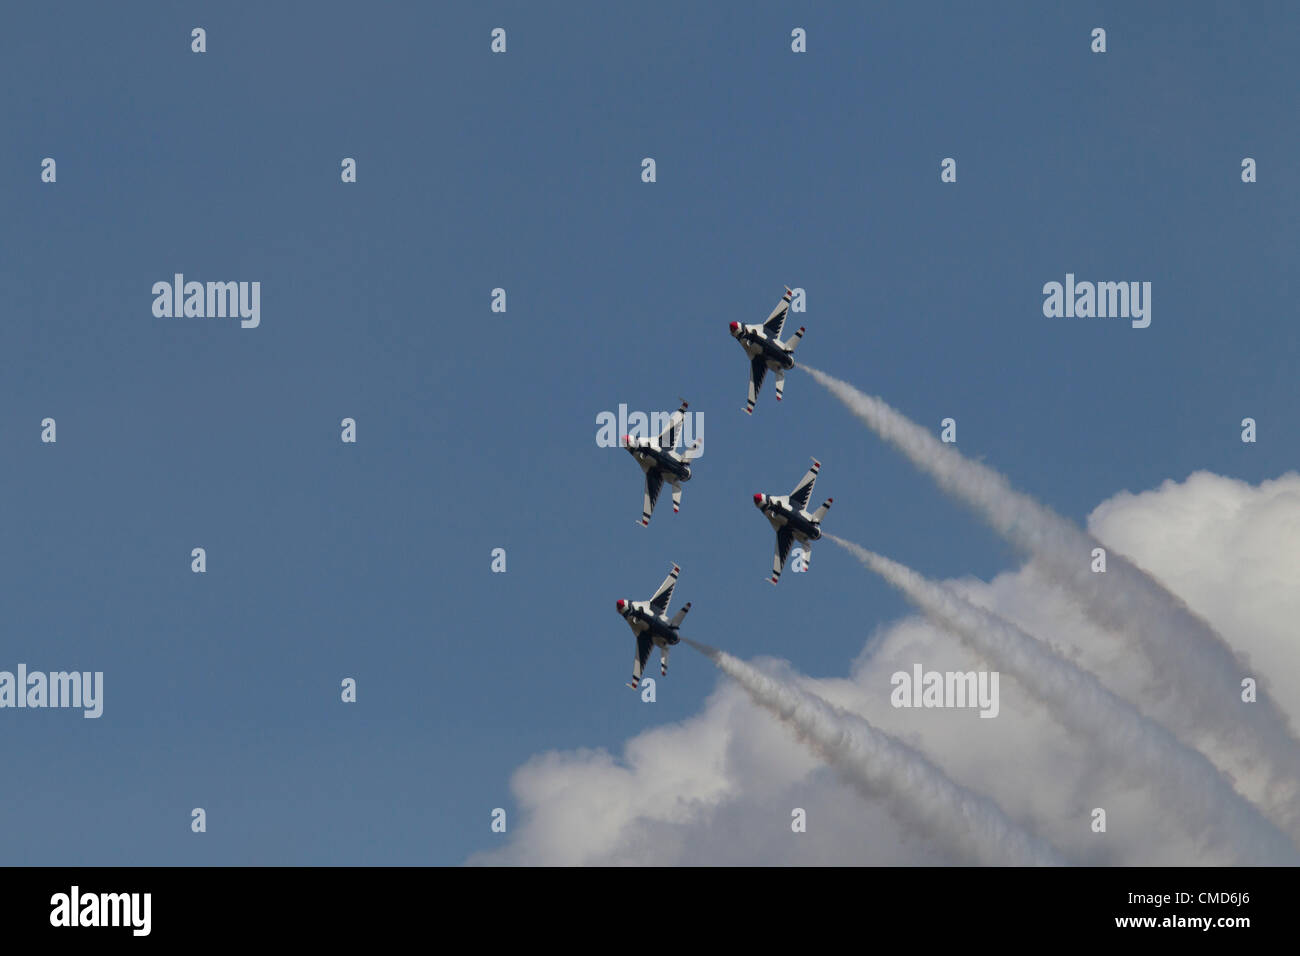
(653, 907)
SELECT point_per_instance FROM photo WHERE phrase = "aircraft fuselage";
(672, 468)
(799, 523)
(660, 631)
(757, 343)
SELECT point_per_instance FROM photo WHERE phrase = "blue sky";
(477, 430)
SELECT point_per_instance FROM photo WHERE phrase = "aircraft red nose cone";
(734, 326)
(758, 499)
(619, 605)
(627, 439)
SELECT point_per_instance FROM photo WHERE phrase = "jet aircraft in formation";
(763, 345)
(650, 623)
(791, 519)
(660, 461)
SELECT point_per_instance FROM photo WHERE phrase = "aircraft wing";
(670, 433)
(784, 538)
(643, 644)
(757, 371)
(654, 482)
(776, 321)
(803, 491)
(659, 603)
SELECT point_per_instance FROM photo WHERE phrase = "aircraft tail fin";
(680, 615)
(821, 512)
(794, 340)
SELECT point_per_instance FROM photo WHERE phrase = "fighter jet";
(763, 345)
(789, 516)
(649, 622)
(659, 460)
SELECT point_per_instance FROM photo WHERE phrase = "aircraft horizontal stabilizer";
(680, 615)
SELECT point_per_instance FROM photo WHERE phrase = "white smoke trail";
(1200, 695)
(1188, 785)
(881, 767)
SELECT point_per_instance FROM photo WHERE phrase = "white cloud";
(718, 788)
(1231, 550)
